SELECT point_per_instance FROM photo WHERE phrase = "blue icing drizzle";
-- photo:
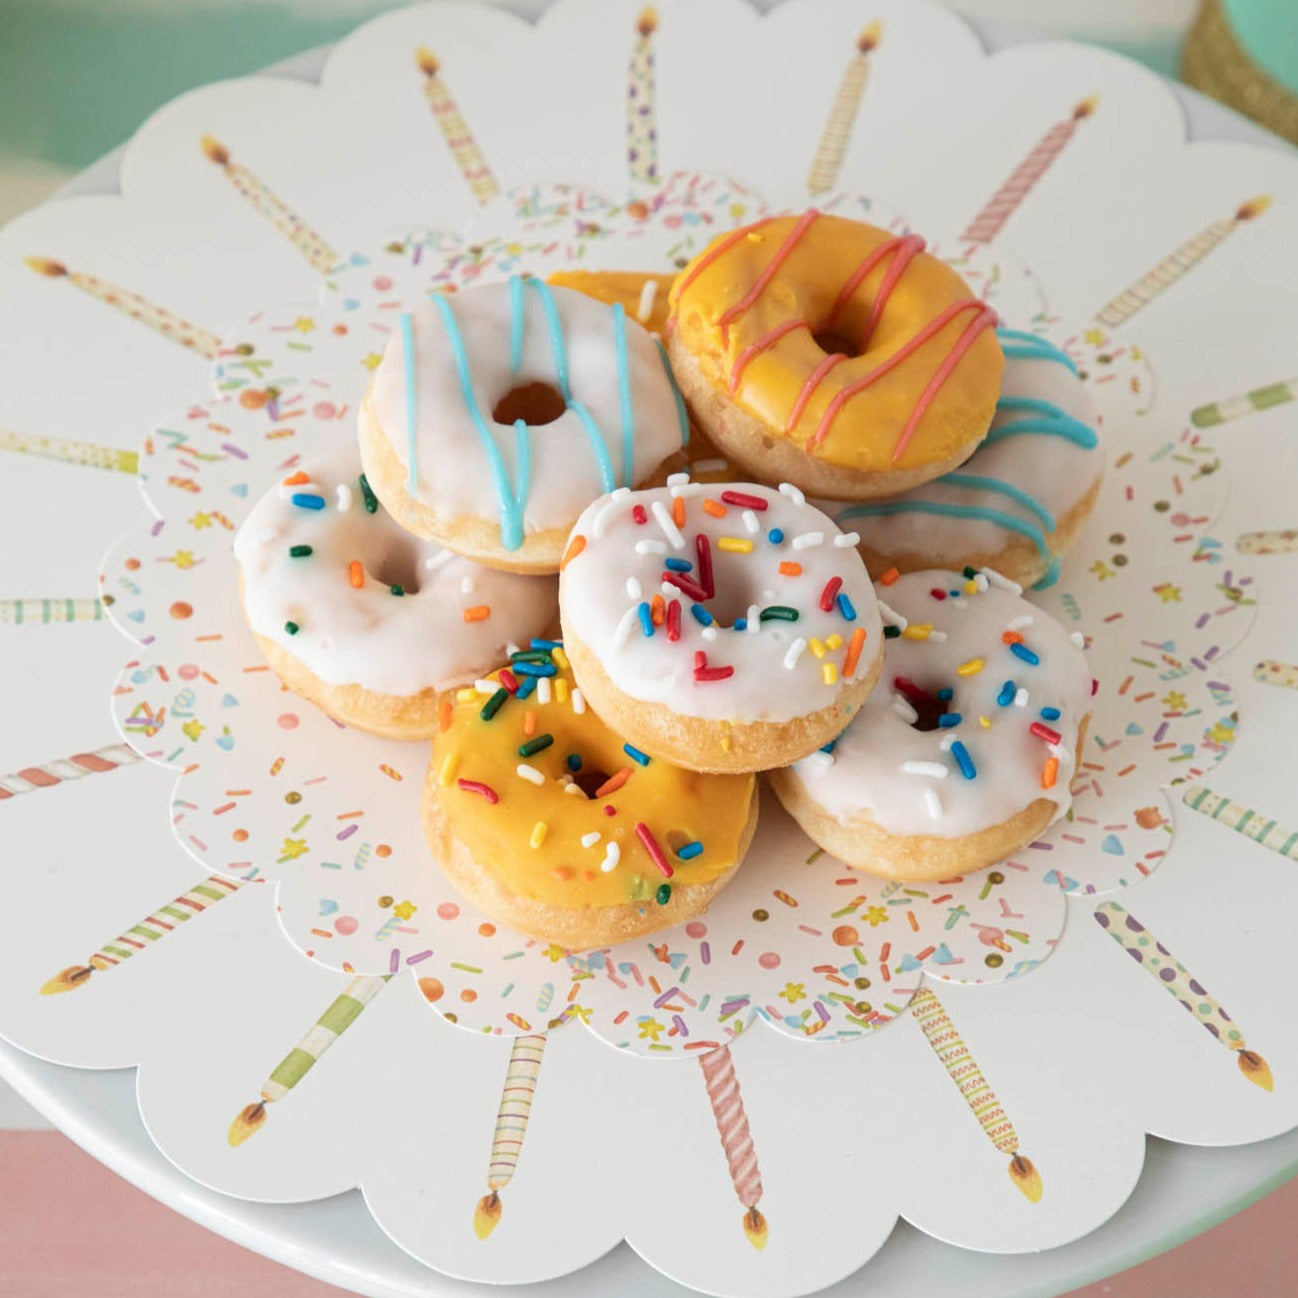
(997, 486)
(886, 508)
(1032, 347)
(523, 486)
(1053, 422)
(515, 323)
(624, 391)
(683, 418)
(412, 409)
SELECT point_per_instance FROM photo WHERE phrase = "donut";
(368, 622)
(541, 398)
(549, 821)
(724, 628)
(833, 355)
(965, 750)
(1019, 501)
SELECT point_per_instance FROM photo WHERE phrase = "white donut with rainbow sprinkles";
(722, 627)
(966, 749)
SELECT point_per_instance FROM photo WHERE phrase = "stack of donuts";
(539, 556)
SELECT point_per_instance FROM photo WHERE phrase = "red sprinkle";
(743, 500)
(937, 593)
(703, 547)
(509, 680)
(476, 786)
(645, 835)
(827, 595)
(713, 673)
(674, 620)
(638, 515)
(700, 659)
(1044, 732)
(683, 583)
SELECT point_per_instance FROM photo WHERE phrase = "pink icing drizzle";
(801, 226)
(756, 349)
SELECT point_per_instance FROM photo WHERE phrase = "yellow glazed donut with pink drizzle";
(834, 355)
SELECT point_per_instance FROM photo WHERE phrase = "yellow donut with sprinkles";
(547, 820)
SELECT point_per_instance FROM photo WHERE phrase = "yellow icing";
(551, 865)
(625, 286)
(805, 287)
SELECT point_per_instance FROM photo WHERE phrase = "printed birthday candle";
(23, 612)
(512, 1116)
(446, 112)
(86, 454)
(838, 127)
(342, 1012)
(1275, 541)
(736, 1139)
(1243, 820)
(62, 769)
(641, 119)
(310, 243)
(1246, 403)
(1005, 201)
(143, 934)
(132, 305)
(1172, 267)
(1152, 956)
(948, 1045)
(1270, 672)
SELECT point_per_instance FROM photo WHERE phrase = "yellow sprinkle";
(734, 544)
(816, 647)
(560, 659)
(971, 588)
(971, 668)
(539, 831)
(829, 673)
(465, 695)
(834, 641)
(449, 766)
(985, 722)
(560, 690)
(918, 631)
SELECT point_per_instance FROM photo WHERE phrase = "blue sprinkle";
(946, 695)
(688, 851)
(701, 615)
(775, 535)
(829, 747)
(1006, 696)
(525, 686)
(1022, 651)
(305, 500)
(646, 619)
(678, 565)
(961, 755)
(636, 755)
(574, 761)
(955, 594)
(546, 644)
(845, 607)
(740, 624)
(534, 669)
(949, 719)
(1049, 714)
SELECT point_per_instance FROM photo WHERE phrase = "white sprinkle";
(468, 586)
(768, 596)
(1077, 640)
(1003, 582)
(709, 633)
(510, 647)
(1021, 698)
(845, 539)
(933, 804)
(937, 637)
(709, 466)
(902, 707)
(750, 521)
(808, 539)
(650, 547)
(570, 787)
(796, 650)
(676, 479)
(589, 840)
(754, 620)
(959, 601)
(529, 773)
(623, 629)
(668, 591)
(543, 691)
(647, 296)
(612, 854)
(1019, 622)
(934, 769)
(981, 583)
(578, 700)
(946, 741)
(600, 521)
(343, 497)
(788, 489)
(891, 616)
(1065, 755)
(818, 761)
(632, 588)
(487, 687)
(670, 530)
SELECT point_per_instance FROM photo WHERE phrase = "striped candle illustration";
(464, 148)
(1246, 403)
(142, 935)
(86, 454)
(1152, 956)
(838, 126)
(310, 243)
(1270, 672)
(132, 305)
(641, 108)
(1276, 541)
(63, 769)
(25, 612)
(1243, 820)
(342, 1012)
(512, 1116)
(736, 1139)
(1172, 267)
(948, 1045)
(1005, 201)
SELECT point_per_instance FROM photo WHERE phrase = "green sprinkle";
(292, 628)
(971, 573)
(493, 704)
(299, 551)
(891, 632)
(368, 496)
(664, 894)
(534, 746)
(397, 588)
(778, 613)
(539, 656)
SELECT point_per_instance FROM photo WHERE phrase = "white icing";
(565, 476)
(775, 677)
(881, 760)
(387, 643)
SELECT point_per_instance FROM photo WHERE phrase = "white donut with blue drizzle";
(1016, 504)
(498, 413)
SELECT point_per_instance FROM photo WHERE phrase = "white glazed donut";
(362, 618)
(909, 796)
(542, 398)
(725, 628)
(1017, 503)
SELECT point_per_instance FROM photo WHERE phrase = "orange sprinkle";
(614, 782)
(790, 569)
(296, 479)
(889, 577)
(562, 873)
(853, 655)
(1011, 637)
(1048, 772)
(444, 715)
(714, 507)
(914, 923)
(657, 610)
(478, 613)
(356, 574)
(575, 547)
(678, 511)
(529, 723)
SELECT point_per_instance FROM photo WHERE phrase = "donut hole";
(924, 701)
(835, 344)
(590, 779)
(738, 588)
(397, 565)
(536, 404)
